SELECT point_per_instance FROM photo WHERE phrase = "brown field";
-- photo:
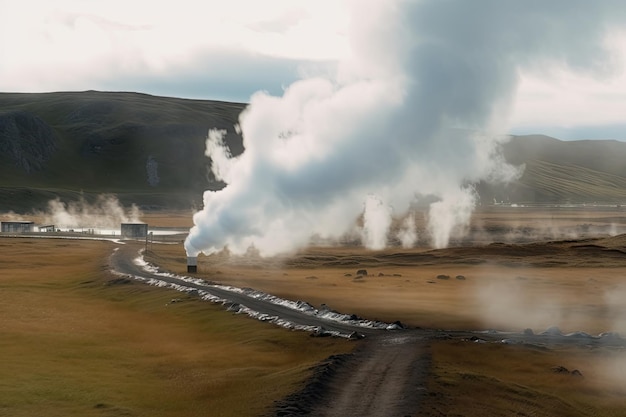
(117, 349)
(73, 344)
(577, 285)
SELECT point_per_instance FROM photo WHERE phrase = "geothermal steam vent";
(192, 264)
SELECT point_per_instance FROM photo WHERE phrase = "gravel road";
(386, 374)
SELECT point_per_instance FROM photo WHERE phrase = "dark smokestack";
(192, 264)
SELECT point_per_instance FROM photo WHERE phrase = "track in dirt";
(386, 374)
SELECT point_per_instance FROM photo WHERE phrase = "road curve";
(387, 372)
(384, 376)
(122, 261)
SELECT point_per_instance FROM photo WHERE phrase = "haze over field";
(416, 110)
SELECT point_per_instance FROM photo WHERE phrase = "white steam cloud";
(398, 119)
(408, 232)
(105, 213)
(376, 222)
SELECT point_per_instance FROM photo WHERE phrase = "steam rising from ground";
(399, 119)
(105, 213)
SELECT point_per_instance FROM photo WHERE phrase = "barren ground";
(525, 269)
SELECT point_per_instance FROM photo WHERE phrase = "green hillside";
(147, 150)
(150, 151)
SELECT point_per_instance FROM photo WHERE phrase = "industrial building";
(134, 230)
(17, 227)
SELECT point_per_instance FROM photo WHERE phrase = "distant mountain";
(585, 171)
(150, 151)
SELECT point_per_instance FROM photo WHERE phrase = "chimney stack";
(192, 264)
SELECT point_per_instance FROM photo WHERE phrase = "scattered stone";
(563, 370)
(398, 325)
(397, 275)
(233, 307)
(380, 274)
(362, 272)
(460, 277)
(442, 276)
(320, 332)
(347, 275)
(311, 277)
(560, 370)
(431, 282)
(356, 336)
(176, 300)
(193, 293)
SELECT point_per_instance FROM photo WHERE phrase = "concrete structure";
(134, 230)
(17, 227)
(192, 264)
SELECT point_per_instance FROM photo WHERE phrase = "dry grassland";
(576, 285)
(87, 348)
(74, 344)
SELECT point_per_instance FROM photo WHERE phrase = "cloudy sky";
(227, 50)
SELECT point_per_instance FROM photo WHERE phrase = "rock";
(563, 370)
(560, 370)
(319, 332)
(362, 272)
(442, 276)
(477, 339)
(529, 332)
(460, 277)
(27, 140)
(356, 336)
(380, 274)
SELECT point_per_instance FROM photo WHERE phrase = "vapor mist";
(508, 305)
(416, 109)
(105, 213)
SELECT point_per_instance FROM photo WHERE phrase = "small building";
(47, 228)
(134, 230)
(17, 227)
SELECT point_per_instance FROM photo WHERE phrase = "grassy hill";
(147, 150)
(150, 151)
(585, 171)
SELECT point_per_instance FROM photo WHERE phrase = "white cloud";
(555, 98)
(76, 44)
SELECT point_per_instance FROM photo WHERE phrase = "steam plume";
(399, 118)
(105, 213)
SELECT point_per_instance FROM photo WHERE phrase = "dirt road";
(386, 374)
(385, 377)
